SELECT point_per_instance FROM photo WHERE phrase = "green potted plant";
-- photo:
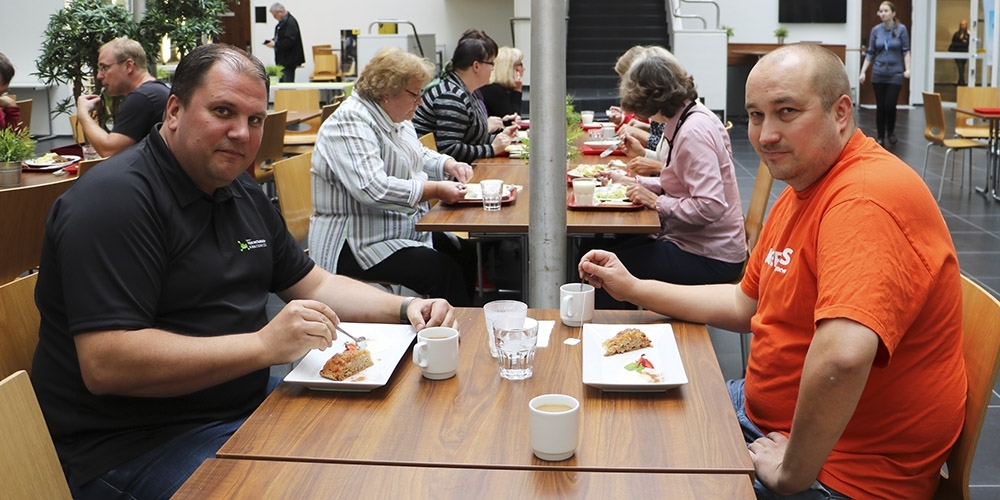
(573, 132)
(728, 30)
(781, 33)
(15, 147)
(274, 71)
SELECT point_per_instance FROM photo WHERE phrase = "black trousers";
(886, 95)
(446, 271)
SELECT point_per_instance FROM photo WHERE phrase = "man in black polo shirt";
(155, 343)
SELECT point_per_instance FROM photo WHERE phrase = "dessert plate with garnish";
(387, 343)
(631, 358)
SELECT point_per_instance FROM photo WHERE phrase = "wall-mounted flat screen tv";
(811, 11)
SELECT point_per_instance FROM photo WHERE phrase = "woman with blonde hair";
(372, 180)
(502, 97)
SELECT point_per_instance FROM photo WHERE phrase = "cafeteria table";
(990, 189)
(476, 420)
(218, 479)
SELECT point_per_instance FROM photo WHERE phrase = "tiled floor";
(975, 229)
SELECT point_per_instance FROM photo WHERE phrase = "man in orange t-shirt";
(856, 384)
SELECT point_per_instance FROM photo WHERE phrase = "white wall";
(321, 21)
(755, 22)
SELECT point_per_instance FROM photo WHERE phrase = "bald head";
(823, 70)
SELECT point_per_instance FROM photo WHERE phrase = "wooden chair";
(25, 107)
(300, 144)
(271, 146)
(78, 136)
(86, 165)
(326, 68)
(968, 126)
(31, 204)
(981, 350)
(428, 141)
(754, 221)
(936, 135)
(304, 100)
(19, 320)
(29, 466)
(322, 49)
(292, 181)
(753, 224)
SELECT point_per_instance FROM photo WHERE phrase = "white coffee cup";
(608, 132)
(436, 352)
(587, 117)
(583, 191)
(554, 426)
(576, 303)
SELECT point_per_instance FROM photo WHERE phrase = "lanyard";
(680, 121)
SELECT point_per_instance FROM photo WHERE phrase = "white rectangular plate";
(34, 165)
(608, 373)
(387, 343)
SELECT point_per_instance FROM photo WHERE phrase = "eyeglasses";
(103, 68)
(416, 95)
(491, 63)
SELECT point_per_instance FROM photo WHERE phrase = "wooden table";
(224, 479)
(990, 190)
(39, 178)
(294, 116)
(477, 420)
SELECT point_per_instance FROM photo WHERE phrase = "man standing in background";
(287, 43)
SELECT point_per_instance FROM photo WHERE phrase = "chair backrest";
(325, 66)
(934, 130)
(292, 182)
(329, 109)
(31, 204)
(19, 320)
(86, 165)
(428, 141)
(78, 136)
(273, 139)
(973, 97)
(25, 107)
(296, 99)
(981, 349)
(758, 204)
(322, 49)
(29, 466)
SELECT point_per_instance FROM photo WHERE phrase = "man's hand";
(424, 313)
(300, 326)
(269, 43)
(87, 104)
(767, 454)
(603, 270)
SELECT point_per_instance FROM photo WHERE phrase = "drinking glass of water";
(516, 349)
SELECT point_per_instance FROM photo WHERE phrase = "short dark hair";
(6, 69)
(474, 45)
(654, 84)
(191, 71)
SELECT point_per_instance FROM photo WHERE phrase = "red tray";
(987, 111)
(571, 203)
(588, 150)
(510, 198)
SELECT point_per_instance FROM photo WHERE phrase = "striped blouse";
(368, 176)
(457, 119)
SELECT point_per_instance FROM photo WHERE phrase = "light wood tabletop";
(225, 479)
(515, 217)
(478, 420)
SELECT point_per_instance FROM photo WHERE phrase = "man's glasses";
(103, 68)
(491, 63)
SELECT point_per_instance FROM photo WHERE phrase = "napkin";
(545, 331)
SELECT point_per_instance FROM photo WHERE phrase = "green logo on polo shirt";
(251, 244)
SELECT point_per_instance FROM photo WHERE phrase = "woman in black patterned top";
(452, 112)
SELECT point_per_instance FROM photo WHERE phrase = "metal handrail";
(676, 12)
(400, 21)
(513, 40)
(714, 4)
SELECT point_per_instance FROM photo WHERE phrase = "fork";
(361, 341)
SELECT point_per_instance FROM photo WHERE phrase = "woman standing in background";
(889, 48)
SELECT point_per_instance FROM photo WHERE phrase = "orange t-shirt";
(868, 243)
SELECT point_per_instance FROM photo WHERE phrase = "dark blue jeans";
(161, 471)
(818, 491)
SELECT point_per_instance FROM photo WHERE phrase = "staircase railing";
(676, 11)
(398, 22)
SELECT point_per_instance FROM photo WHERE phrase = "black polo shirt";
(132, 245)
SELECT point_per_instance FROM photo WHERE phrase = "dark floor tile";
(984, 492)
(986, 464)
